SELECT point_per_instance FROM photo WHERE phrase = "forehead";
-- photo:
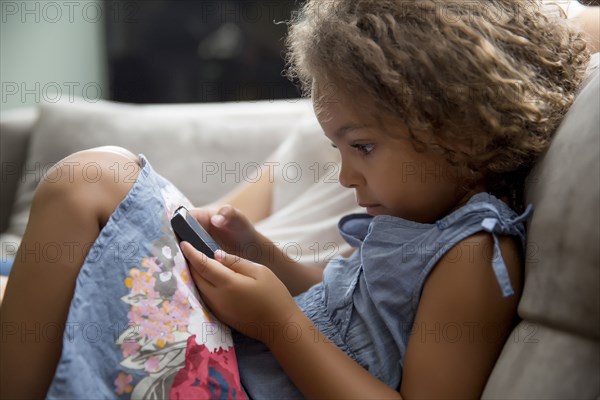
(331, 106)
(340, 116)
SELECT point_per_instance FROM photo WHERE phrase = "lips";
(368, 205)
(372, 209)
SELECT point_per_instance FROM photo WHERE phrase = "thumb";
(203, 215)
(230, 218)
(238, 264)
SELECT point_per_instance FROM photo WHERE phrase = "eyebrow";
(341, 132)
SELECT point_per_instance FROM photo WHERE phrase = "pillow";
(308, 200)
(204, 149)
(137, 327)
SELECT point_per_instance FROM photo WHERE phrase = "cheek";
(417, 173)
(436, 170)
(419, 180)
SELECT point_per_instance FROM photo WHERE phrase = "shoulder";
(464, 282)
(468, 266)
(462, 320)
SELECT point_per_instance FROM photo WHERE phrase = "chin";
(376, 210)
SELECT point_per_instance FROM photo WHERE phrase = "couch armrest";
(15, 131)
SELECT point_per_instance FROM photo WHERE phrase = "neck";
(464, 195)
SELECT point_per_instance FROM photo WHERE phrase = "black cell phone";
(187, 229)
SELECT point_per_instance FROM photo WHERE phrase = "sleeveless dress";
(366, 303)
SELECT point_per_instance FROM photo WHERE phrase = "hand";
(245, 295)
(230, 228)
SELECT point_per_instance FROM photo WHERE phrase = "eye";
(365, 149)
(333, 145)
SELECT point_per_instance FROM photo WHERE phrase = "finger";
(202, 284)
(238, 264)
(206, 289)
(228, 217)
(211, 270)
(203, 215)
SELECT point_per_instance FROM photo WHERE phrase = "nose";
(349, 176)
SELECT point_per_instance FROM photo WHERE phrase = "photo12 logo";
(86, 11)
(51, 92)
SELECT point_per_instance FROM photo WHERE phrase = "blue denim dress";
(366, 303)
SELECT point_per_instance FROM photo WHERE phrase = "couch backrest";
(555, 351)
(204, 149)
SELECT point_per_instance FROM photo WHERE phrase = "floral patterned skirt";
(137, 327)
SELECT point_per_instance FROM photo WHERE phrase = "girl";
(438, 110)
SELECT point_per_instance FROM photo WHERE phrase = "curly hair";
(490, 79)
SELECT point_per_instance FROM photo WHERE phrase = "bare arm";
(237, 235)
(320, 369)
(296, 277)
(462, 322)
(253, 198)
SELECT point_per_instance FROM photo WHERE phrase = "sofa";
(204, 149)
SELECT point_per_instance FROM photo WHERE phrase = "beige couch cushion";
(555, 351)
(308, 200)
(204, 149)
(539, 362)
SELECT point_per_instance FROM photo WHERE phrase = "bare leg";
(66, 217)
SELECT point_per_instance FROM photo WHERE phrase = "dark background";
(178, 51)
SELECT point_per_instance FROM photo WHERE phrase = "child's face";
(388, 175)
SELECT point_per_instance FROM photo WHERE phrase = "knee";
(103, 165)
(114, 154)
(99, 175)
